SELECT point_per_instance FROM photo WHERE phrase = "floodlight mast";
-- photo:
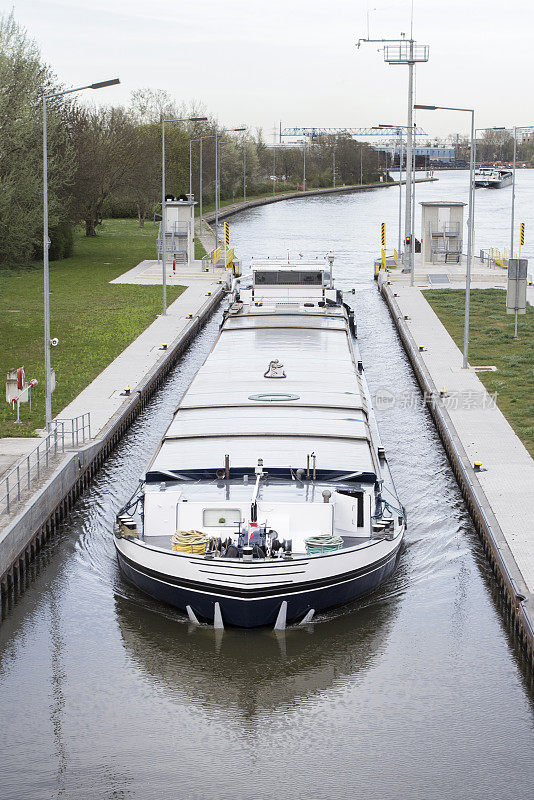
(405, 51)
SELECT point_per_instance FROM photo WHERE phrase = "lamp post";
(218, 178)
(512, 215)
(46, 240)
(334, 167)
(200, 185)
(163, 202)
(399, 129)
(470, 227)
(407, 52)
(244, 171)
(194, 141)
(304, 169)
(191, 169)
(202, 138)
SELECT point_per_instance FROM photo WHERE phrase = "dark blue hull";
(252, 613)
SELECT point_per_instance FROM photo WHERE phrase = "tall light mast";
(407, 52)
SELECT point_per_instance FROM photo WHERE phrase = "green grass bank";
(93, 320)
(491, 342)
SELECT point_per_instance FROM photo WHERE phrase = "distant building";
(430, 154)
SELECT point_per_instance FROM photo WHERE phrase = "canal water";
(418, 691)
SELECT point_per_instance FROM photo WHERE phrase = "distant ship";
(270, 497)
(493, 177)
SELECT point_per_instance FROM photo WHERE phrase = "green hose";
(323, 544)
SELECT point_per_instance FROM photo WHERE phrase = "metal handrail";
(21, 477)
(78, 426)
(446, 229)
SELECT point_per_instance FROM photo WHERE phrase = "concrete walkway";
(13, 448)
(507, 478)
(484, 275)
(105, 395)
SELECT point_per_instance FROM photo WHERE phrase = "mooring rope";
(194, 542)
(323, 544)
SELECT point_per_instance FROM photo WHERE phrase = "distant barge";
(493, 177)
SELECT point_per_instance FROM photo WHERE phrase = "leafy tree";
(23, 81)
(105, 142)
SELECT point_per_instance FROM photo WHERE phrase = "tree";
(106, 145)
(152, 105)
(23, 81)
(495, 145)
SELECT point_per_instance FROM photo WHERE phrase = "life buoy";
(20, 378)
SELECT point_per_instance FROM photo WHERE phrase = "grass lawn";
(200, 250)
(93, 320)
(491, 342)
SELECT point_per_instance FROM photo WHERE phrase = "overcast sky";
(256, 62)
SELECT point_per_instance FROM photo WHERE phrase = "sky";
(256, 62)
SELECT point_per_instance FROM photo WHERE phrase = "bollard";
(126, 390)
(477, 466)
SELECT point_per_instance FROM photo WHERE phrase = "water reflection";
(253, 670)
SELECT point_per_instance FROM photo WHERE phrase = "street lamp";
(470, 227)
(163, 202)
(405, 52)
(399, 129)
(194, 141)
(218, 178)
(46, 240)
(334, 166)
(516, 129)
(244, 170)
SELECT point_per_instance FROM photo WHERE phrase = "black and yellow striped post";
(383, 245)
(521, 237)
(226, 242)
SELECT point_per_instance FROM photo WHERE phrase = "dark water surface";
(416, 692)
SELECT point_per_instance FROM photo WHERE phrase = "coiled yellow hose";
(194, 542)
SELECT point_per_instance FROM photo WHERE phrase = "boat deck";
(164, 542)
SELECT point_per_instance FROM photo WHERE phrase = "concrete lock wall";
(25, 534)
(519, 607)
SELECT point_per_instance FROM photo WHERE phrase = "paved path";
(508, 476)
(483, 275)
(104, 396)
(13, 448)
